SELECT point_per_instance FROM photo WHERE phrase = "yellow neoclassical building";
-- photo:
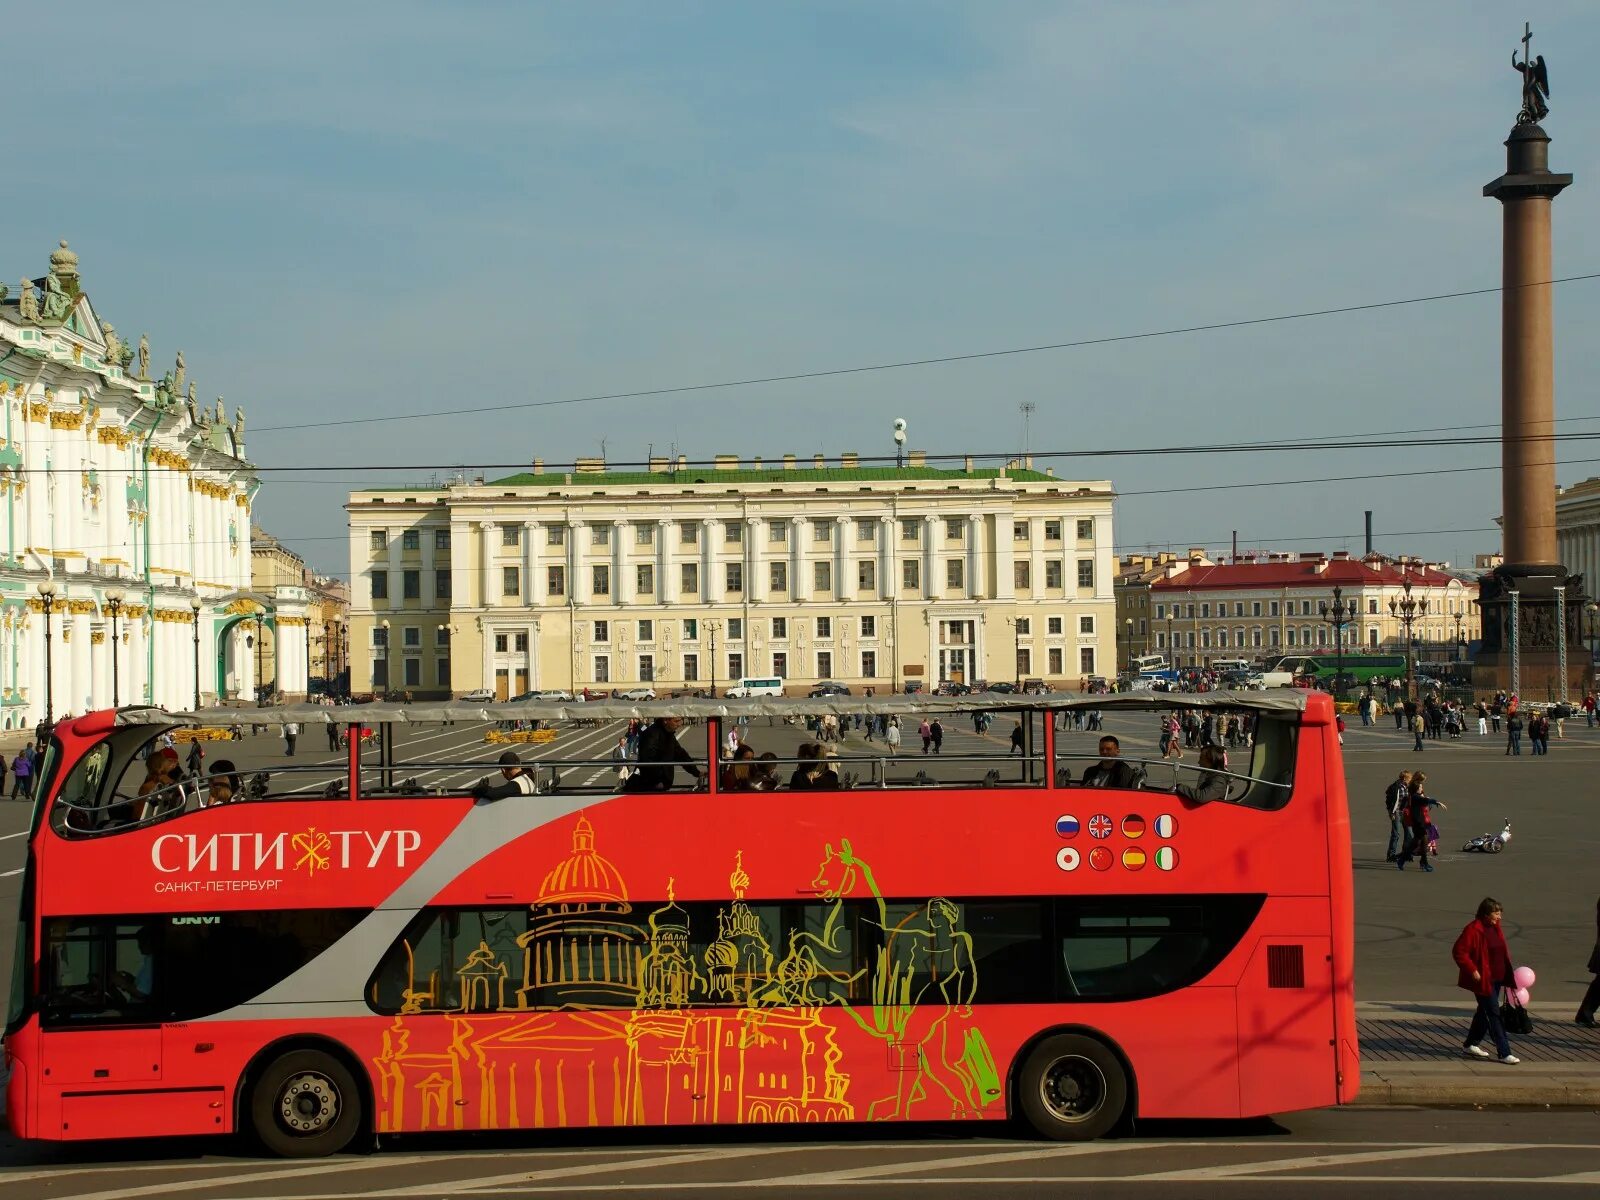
(688, 577)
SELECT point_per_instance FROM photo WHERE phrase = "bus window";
(99, 971)
(1129, 947)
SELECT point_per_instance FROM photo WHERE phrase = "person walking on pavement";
(936, 732)
(1484, 965)
(1591, 998)
(196, 760)
(925, 731)
(291, 733)
(1394, 801)
(1483, 719)
(22, 774)
(1514, 732)
(333, 736)
(891, 734)
(1418, 723)
(1417, 804)
(2, 774)
(1016, 738)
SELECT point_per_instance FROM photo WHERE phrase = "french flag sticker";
(1166, 825)
(1067, 825)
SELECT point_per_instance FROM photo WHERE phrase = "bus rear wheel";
(305, 1104)
(1072, 1088)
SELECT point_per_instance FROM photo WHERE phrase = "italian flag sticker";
(1166, 858)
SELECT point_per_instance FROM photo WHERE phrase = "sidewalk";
(1411, 1054)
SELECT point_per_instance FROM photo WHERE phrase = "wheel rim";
(1073, 1089)
(308, 1104)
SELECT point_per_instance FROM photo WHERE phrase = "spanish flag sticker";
(1166, 858)
(1133, 859)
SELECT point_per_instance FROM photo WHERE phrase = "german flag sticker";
(1133, 827)
(1133, 859)
(1166, 858)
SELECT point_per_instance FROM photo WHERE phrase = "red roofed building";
(1262, 606)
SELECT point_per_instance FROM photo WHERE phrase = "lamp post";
(1172, 647)
(1338, 615)
(388, 661)
(1593, 610)
(114, 601)
(308, 654)
(1406, 608)
(194, 611)
(1127, 624)
(711, 630)
(261, 624)
(1460, 619)
(447, 631)
(47, 600)
(1016, 650)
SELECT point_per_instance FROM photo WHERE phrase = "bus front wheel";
(1072, 1088)
(305, 1104)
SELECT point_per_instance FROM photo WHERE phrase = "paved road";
(1313, 1156)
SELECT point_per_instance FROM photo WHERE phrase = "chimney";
(726, 462)
(755, 463)
(966, 464)
(1028, 462)
(589, 466)
(818, 461)
(1049, 472)
(538, 466)
(1341, 555)
(918, 458)
(659, 466)
(849, 460)
(788, 462)
(1321, 567)
(683, 462)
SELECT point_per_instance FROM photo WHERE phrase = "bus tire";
(305, 1104)
(1072, 1088)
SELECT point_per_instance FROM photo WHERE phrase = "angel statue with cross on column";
(1535, 83)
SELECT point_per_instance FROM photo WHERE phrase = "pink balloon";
(1522, 996)
(1524, 977)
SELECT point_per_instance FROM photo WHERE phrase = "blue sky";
(362, 209)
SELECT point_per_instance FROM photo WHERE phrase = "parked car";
(1035, 687)
(950, 688)
(637, 693)
(479, 696)
(913, 686)
(1002, 688)
(551, 695)
(828, 688)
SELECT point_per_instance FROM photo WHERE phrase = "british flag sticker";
(1100, 826)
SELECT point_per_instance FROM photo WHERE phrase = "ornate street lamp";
(1127, 623)
(711, 629)
(1460, 619)
(47, 600)
(1016, 650)
(1338, 615)
(1406, 608)
(388, 661)
(449, 631)
(194, 610)
(261, 623)
(113, 604)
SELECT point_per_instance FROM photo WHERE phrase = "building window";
(1024, 661)
(1024, 626)
(441, 539)
(780, 664)
(1052, 531)
(822, 531)
(442, 672)
(602, 668)
(733, 533)
(736, 666)
(1238, 608)
(869, 627)
(556, 581)
(736, 629)
(1052, 626)
(647, 668)
(600, 575)
(1290, 635)
(1272, 638)
(411, 585)
(411, 540)
(555, 535)
(519, 642)
(1086, 659)
(644, 534)
(955, 573)
(780, 629)
(1191, 612)
(1161, 611)
(824, 628)
(778, 531)
(1161, 641)
(1255, 637)
(502, 643)
(1052, 573)
(911, 574)
(689, 533)
(380, 673)
(865, 527)
(413, 672)
(1372, 637)
(511, 581)
(1054, 659)
(647, 631)
(691, 629)
(1205, 610)
(378, 539)
(380, 585)
(824, 664)
(689, 579)
(869, 664)
(441, 585)
(735, 574)
(600, 535)
(1222, 639)
(1019, 531)
(1086, 531)
(866, 575)
(822, 576)
(511, 535)
(1273, 611)
(1085, 624)
(1305, 608)
(602, 631)
(1372, 606)
(1086, 572)
(691, 667)
(778, 574)
(1255, 608)
(411, 637)
(911, 530)
(441, 636)
(1020, 571)
(644, 579)
(955, 529)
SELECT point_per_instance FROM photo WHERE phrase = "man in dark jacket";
(1591, 998)
(1394, 801)
(658, 750)
(1110, 771)
(514, 781)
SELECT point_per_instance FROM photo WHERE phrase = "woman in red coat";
(1485, 962)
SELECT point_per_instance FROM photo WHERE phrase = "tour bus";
(337, 957)
(1148, 664)
(1357, 667)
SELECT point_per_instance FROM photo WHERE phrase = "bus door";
(1286, 1024)
(99, 1024)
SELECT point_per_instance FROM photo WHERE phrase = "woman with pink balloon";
(1484, 964)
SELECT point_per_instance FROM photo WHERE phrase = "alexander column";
(1530, 604)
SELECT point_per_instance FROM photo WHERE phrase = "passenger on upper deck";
(161, 774)
(1210, 786)
(764, 778)
(659, 749)
(1110, 771)
(738, 775)
(224, 786)
(813, 774)
(515, 781)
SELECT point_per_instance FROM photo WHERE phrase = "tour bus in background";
(1148, 664)
(330, 959)
(746, 689)
(1322, 667)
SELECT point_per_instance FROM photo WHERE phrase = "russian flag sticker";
(1067, 825)
(1133, 827)
(1166, 825)
(1166, 858)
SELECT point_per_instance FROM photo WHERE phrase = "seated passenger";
(739, 774)
(158, 792)
(1210, 786)
(813, 774)
(1110, 771)
(223, 786)
(764, 775)
(514, 780)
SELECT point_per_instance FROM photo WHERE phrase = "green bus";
(1358, 668)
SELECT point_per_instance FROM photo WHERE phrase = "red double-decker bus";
(876, 946)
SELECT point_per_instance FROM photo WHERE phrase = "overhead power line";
(905, 364)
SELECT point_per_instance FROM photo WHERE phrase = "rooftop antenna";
(899, 441)
(1027, 408)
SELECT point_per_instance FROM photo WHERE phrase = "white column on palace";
(932, 588)
(533, 582)
(1005, 572)
(799, 579)
(711, 587)
(666, 576)
(461, 589)
(976, 585)
(577, 585)
(888, 577)
(80, 698)
(755, 538)
(491, 582)
(622, 589)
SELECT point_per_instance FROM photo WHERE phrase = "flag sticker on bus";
(1067, 825)
(1100, 858)
(1067, 858)
(1166, 825)
(1133, 827)
(1133, 859)
(1166, 858)
(1100, 826)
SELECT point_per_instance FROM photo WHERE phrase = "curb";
(1506, 1093)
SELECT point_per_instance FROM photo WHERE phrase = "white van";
(748, 688)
